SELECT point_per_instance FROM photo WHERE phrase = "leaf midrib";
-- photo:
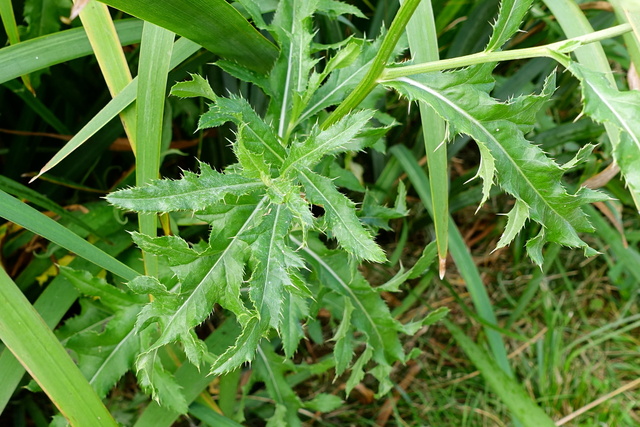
(335, 275)
(487, 132)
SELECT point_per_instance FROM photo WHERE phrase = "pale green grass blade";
(461, 257)
(18, 190)
(211, 418)
(24, 215)
(42, 52)
(102, 35)
(510, 392)
(57, 298)
(27, 336)
(423, 42)
(214, 24)
(182, 49)
(11, 28)
(155, 56)
(629, 11)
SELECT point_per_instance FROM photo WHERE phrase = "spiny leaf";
(342, 81)
(271, 369)
(292, 28)
(605, 104)
(331, 141)
(105, 356)
(357, 371)
(294, 311)
(509, 19)
(197, 86)
(192, 192)
(340, 217)
(214, 277)
(258, 136)
(524, 170)
(371, 315)
(112, 297)
(336, 8)
(343, 351)
(154, 379)
(515, 221)
(244, 349)
(269, 265)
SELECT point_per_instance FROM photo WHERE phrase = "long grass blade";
(11, 28)
(42, 52)
(57, 298)
(214, 24)
(34, 344)
(182, 49)
(24, 215)
(155, 57)
(510, 392)
(423, 42)
(461, 257)
(103, 37)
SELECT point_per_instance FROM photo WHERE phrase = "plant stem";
(370, 80)
(551, 50)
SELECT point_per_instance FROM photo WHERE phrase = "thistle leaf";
(214, 277)
(192, 192)
(154, 379)
(343, 350)
(294, 311)
(95, 287)
(291, 27)
(509, 19)
(331, 141)
(515, 221)
(370, 314)
(340, 217)
(244, 349)
(268, 263)
(271, 369)
(524, 170)
(258, 136)
(197, 86)
(606, 104)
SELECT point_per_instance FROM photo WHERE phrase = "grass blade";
(102, 35)
(57, 298)
(461, 257)
(182, 49)
(423, 42)
(42, 52)
(155, 56)
(510, 392)
(214, 24)
(24, 215)
(27, 336)
(11, 28)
